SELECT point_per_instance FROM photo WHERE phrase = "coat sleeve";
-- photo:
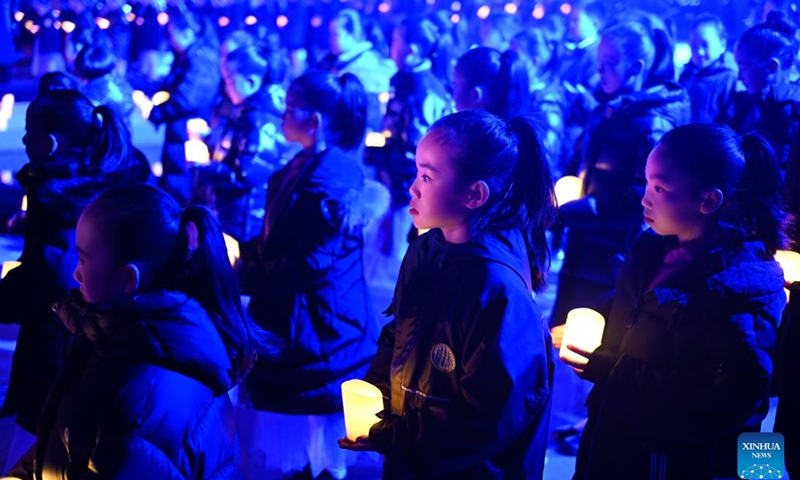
(504, 386)
(716, 392)
(129, 458)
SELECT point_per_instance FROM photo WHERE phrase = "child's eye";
(658, 189)
(425, 178)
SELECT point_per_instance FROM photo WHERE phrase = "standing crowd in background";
(339, 144)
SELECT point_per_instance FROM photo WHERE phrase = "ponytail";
(759, 205)
(110, 150)
(207, 277)
(533, 192)
(663, 70)
(350, 119)
(771, 39)
(512, 79)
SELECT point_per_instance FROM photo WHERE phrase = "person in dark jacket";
(686, 357)
(72, 157)
(192, 84)
(486, 79)
(250, 147)
(710, 78)
(465, 365)
(96, 66)
(305, 274)
(137, 398)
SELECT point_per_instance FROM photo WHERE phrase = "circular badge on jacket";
(443, 358)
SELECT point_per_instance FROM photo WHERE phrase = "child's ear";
(711, 201)
(773, 65)
(477, 195)
(131, 279)
(53, 143)
(636, 68)
(476, 94)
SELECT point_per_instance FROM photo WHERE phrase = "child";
(465, 362)
(250, 147)
(306, 277)
(694, 316)
(710, 78)
(192, 85)
(74, 151)
(137, 397)
(96, 66)
(488, 80)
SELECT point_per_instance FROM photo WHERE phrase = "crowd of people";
(144, 350)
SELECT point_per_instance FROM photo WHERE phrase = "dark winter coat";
(464, 364)
(684, 367)
(192, 84)
(249, 150)
(711, 89)
(56, 197)
(307, 285)
(775, 114)
(138, 398)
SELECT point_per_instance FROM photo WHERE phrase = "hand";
(360, 444)
(557, 333)
(578, 365)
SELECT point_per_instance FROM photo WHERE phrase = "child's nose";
(413, 190)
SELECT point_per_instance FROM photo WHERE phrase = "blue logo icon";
(761, 455)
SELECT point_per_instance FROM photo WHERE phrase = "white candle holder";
(584, 329)
(362, 402)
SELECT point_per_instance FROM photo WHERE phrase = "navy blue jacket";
(464, 364)
(137, 397)
(683, 369)
(711, 89)
(307, 286)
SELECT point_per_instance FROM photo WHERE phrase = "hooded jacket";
(138, 398)
(683, 368)
(711, 89)
(464, 365)
(307, 284)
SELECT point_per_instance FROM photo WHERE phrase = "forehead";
(607, 47)
(704, 31)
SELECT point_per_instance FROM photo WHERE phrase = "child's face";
(612, 67)
(581, 25)
(298, 120)
(672, 202)
(706, 45)
(100, 278)
(463, 95)
(753, 72)
(438, 200)
(340, 39)
(238, 87)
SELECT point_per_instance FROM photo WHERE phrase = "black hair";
(248, 61)
(504, 79)
(743, 167)
(771, 39)
(58, 81)
(94, 61)
(653, 46)
(147, 227)
(342, 103)
(97, 131)
(433, 43)
(509, 156)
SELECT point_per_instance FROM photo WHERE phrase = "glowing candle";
(3, 124)
(7, 105)
(790, 263)
(24, 206)
(160, 97)
(197, 128)
(362, 402)
(196, 152)
(8, 266)
(568, 188)
(232, 246)
(375, 139)
(584, 329)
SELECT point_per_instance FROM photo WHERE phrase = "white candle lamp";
(584, 329)
(790, 263)
(362, 402)
(8, 266)
(7, 105)
(375, 139)
(160, 97)
(568, 188)
(233, 248)
(196, 152)
(197, 128)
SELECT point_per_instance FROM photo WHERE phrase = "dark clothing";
(787, 365)
(548, 105)
(307, 283)
(113, 91)
(464, 365)
(56, 197)
(418, 99)
(192, 84)
(138, 398)
(250, 149)
(711, 89)
(775, 114)
(685, 365)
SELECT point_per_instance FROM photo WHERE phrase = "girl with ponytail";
(694, 316)
(305, 274)
(160, 336)
(465, 361)
(488, 80)
(74, 150)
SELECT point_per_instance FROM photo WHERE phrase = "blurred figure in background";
(96, 65)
